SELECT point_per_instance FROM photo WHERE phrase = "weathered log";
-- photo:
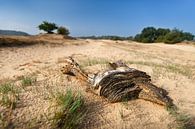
(120, 83)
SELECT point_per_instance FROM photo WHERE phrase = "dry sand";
(171, 67)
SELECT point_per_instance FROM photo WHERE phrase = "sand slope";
(172, 67)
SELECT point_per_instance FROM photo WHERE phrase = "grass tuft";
(28, 81)
(71, 110)
(8, 95)
(182, 119)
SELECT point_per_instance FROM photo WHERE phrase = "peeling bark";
(120, 83)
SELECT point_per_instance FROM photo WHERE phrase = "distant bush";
(152, 35)
(109, 37)
(48, 27)
(160, 34)
(63, 31)
(175, 36)
(148, 35)
(188, 36)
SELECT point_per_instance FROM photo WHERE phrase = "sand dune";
(172, 67)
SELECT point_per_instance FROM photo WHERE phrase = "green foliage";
(63, 31)
(151, 35)
(138, 38)
(160, 34)
(175, 36)
(48, 27)
(188, 36)
(148, 35)
(72, 110)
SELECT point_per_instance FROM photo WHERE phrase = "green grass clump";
(28, 81)
(8, 95)
(71, 110)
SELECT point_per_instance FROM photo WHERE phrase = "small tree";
(62, 30)
(48, 27)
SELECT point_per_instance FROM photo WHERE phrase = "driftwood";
(120, 83)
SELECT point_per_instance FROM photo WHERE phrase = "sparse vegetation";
(93, 61)
(173, 71)
(27, 81)
(63, 31)
(175, 68)
(182, 119)
(71, 110)
(8, 95)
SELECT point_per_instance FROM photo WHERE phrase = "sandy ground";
(171, 67)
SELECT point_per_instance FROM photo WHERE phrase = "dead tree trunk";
(120, 83)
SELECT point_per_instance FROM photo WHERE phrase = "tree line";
(147, 35)
(109, 37)
(153, 35)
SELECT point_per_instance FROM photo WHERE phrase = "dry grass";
(183, 120)
(93, 61)
(9, 95)
(169, 67)
(174, 68)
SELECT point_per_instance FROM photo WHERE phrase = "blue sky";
(98, 17)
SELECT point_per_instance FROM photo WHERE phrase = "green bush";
(160, 39)
(174, 36)
(188, 36)
(48, 27)
(138, 38)
(148, 35)
(63, 31)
